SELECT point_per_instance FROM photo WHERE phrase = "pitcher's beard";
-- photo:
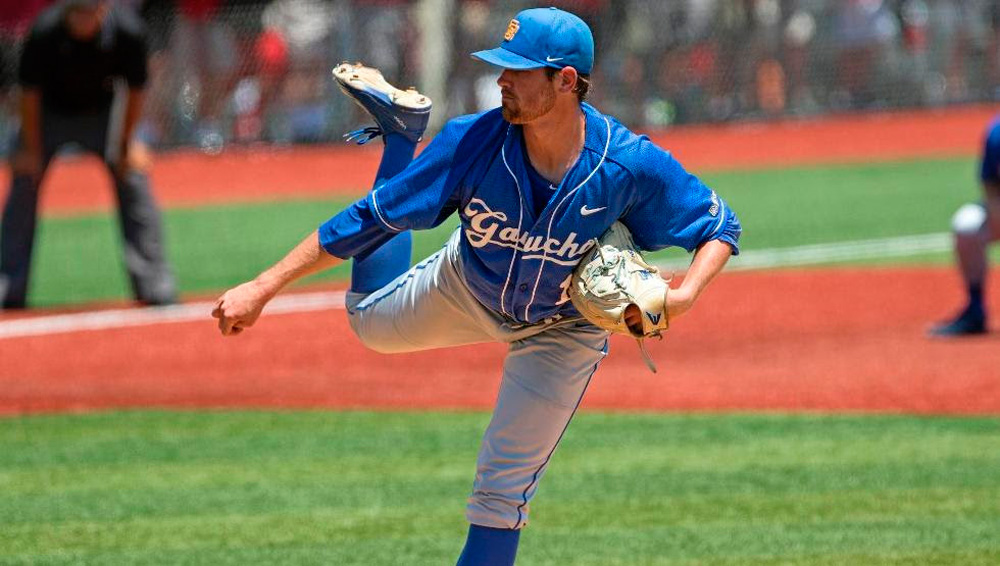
(516, 114)
(511, 113)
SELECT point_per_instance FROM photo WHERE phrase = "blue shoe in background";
(971, 321)
(395, 111)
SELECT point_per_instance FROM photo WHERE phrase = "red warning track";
(823, 340)
(246, 175)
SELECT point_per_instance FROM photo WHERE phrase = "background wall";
(252, 71)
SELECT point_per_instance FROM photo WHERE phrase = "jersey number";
(565, 289)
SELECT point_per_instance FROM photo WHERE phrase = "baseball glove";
(612, 281)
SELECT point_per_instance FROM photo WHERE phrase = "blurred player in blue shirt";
(975, 226)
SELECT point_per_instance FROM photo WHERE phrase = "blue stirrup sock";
(487, 546)
(374, 271)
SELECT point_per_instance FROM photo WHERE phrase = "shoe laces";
(363, 135)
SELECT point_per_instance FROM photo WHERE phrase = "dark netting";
(244, 72)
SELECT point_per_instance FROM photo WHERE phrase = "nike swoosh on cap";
(553, 59)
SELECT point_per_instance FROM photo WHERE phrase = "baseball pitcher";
(538, 185)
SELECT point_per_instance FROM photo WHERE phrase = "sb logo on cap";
(512, 28)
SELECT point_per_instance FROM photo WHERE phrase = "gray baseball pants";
(545, 373)
(139, 218)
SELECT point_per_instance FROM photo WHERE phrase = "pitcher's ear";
(568, 77)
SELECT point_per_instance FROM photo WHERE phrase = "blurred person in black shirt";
(75, 56)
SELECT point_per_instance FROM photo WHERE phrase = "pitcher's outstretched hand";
(239, 307)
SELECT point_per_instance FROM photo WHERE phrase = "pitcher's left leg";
(401, 117)
(545, 377)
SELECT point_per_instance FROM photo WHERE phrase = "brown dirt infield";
(817, 340)
(823, 340)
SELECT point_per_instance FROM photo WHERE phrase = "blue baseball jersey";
(518, 260)
(989, 170)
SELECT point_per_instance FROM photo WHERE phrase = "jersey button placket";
(523, 287)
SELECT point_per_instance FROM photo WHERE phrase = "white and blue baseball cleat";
(395, 111)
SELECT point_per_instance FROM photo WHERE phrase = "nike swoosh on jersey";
(553, 59)
(584, 211)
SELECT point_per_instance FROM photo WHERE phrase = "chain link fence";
(236, 72)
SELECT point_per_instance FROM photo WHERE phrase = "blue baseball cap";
(543, 37)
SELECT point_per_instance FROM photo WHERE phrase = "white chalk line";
(896, 247)
(188, 312)
(816, 254)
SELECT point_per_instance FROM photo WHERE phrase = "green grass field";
(78, 259)
(388, 488)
